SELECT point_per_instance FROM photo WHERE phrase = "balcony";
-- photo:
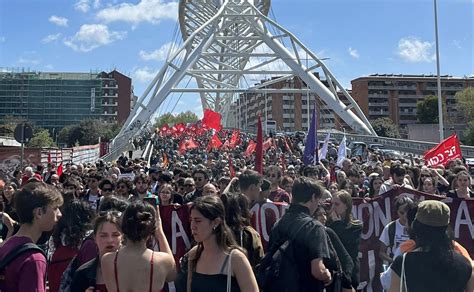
(378, 103)
(378, 113)
(110, 114)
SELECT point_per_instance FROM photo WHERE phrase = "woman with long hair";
(216, 262)
(375, 182)
(433, 265)
(238, 219)
(151, 270)
(347, 229)
(108, 237)
(68, 237)
(462, 189)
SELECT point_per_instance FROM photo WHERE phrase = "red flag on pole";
(231, 167)
(212, 120)
(187, 144)
(449, 149)
(234, 139)
(267, 144)
(259, 147)
(60, 169)
(250, 148)
(49, 157)
(214, 143)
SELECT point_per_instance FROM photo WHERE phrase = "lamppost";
(440, 98)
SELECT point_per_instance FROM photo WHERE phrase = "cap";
(433, 213)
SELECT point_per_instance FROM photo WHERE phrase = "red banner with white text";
(374, 213)
(449, 149)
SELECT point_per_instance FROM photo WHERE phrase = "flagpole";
(440, 101)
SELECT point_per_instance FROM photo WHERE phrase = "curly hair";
(77, 219)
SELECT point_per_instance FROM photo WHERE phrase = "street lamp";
(440, 98)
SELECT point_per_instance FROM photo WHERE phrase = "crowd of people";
(97, 227)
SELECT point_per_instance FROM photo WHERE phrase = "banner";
(374, 213)
(449, 149)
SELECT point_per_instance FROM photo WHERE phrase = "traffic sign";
(23, 133)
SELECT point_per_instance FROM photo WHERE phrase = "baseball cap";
(433, 213)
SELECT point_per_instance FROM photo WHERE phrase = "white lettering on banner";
(463, 218)
(370, 225)
(254, 212)
(367, 285)
(176, 222)
(263, 218)
(380, 217)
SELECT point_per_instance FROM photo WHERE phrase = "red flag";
(165, 160)
(267, 144)
(214, 143)
(449, 149)
(187, 144)
(234, 139)
(60, 169)
(259, 147)
(231, 167)
(212, 120)
(250, 148)
(49, 157)
(287, 146)
(283, 162)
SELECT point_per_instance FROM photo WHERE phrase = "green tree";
(465, 103)
(63, 135)
(186, 117)
(427, 110)
(167, 118)
(386, 128)
(469, 134)
(89, 131)
(41, 138)
(8, 125)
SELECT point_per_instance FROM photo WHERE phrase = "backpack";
(278, 270)
(68, 275)
(16, 252)
(391, 236)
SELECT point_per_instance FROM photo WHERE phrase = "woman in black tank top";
(216, 263)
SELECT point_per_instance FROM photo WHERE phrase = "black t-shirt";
(425, 272)
(310, 243)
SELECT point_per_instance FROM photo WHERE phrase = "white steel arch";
(225, 41)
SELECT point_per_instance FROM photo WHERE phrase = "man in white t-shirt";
(395, 233)
(397, 179)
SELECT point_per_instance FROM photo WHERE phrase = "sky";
(358, 37)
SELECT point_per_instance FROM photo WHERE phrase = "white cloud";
(96, 4)
(2, 40)
(152, 11)
(58, 20)
(82, 5)
(50, 38)
(413, 49)
(353, 52)
(92, 36)
(29, 60)
(158, 54)
(144, 74)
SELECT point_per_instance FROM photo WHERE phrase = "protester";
(274, 174)
(308, 236)
(347, 229)
(124, 188)
(72, 229)
(432, 266)
(108, 237)
(140, 221)
(37, 206)
(463, 183)
(216, 259)
(201, 178)
(397, 179)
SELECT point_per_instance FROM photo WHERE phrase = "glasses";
(199, 178)
(114, 213)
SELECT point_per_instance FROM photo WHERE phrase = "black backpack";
(278, 270)
(16, 252)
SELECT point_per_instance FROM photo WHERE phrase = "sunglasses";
(110, 212)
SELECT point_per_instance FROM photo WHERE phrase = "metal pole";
(266, 115)
(440, 98)
(22, 145)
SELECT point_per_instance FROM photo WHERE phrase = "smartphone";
(152, 201)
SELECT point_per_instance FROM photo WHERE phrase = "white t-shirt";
(401, 235)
